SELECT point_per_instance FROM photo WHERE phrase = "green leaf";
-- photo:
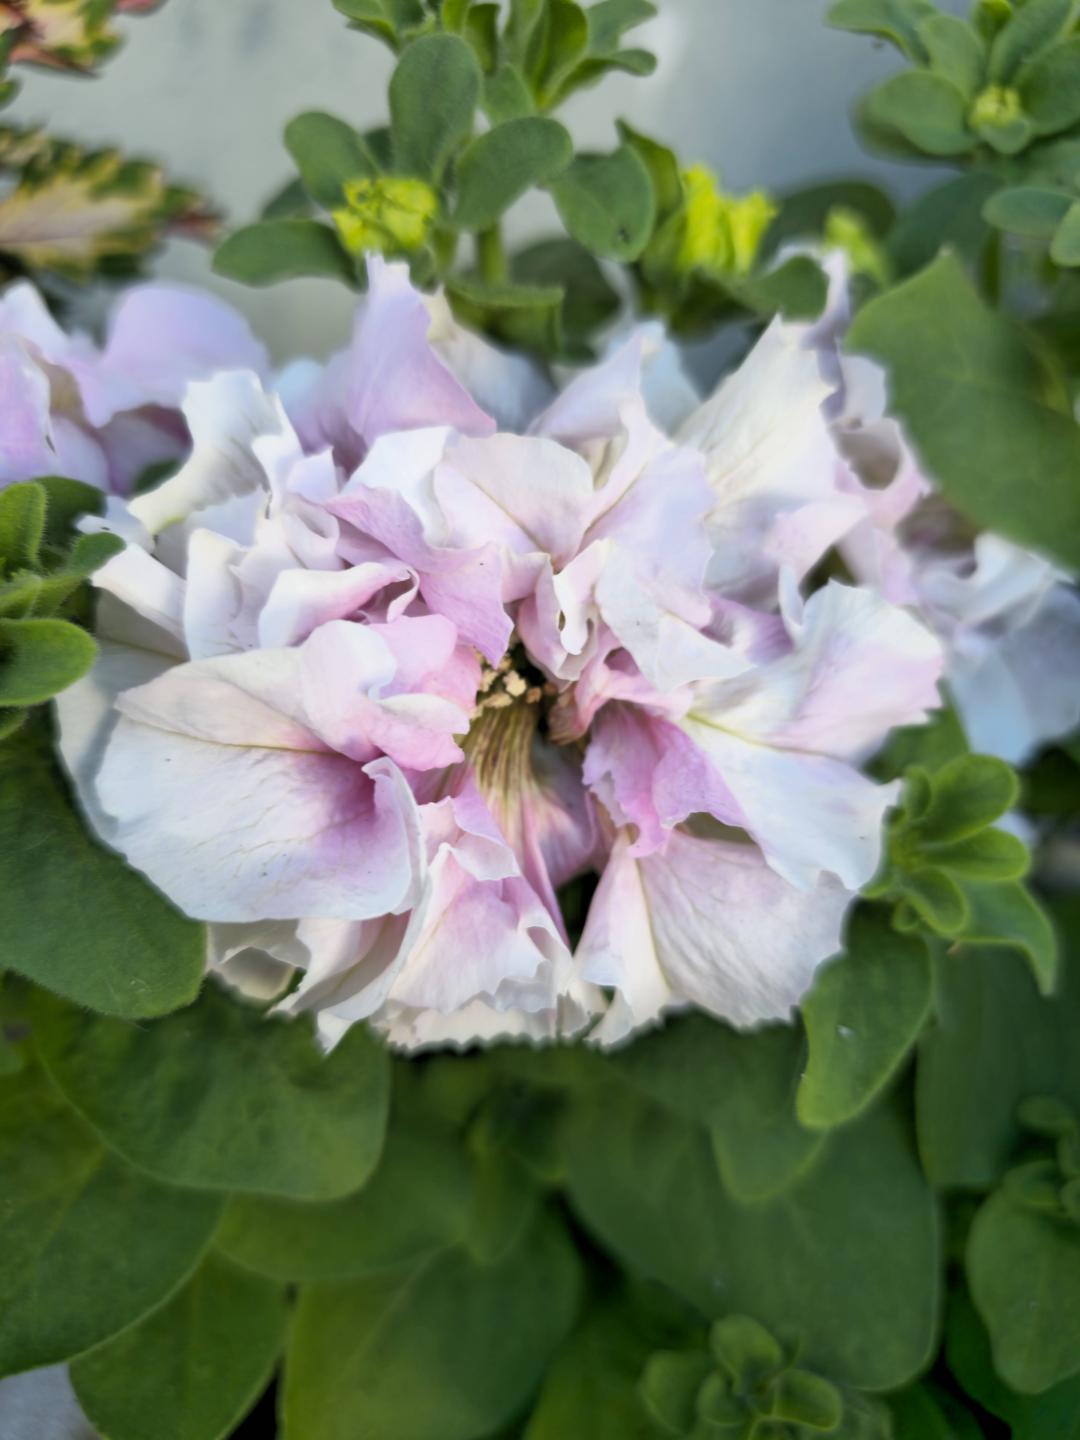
(1050, 88)
(88, 554)
(1065, 246)
(506, 96)
(607, 203)
(956, 52)
(501, 165)
(893, 20)
(558, 44)
(444, 1350)
(1023, 1268)
(22, 525)
(1034, 210)
(804, 212)
(981, 408)
(948, 215)
(996, 1043)
(291, 202)
(191, 1370)
(925, 1413)
(1053, 1415)
(966, 795)
(273, 250)
(990, 855)
(844, 1263)
(662, 165)
(591, 1391)
(524, 315)
(225, 1098)
(1030, 30)
(739, 1085)
(416, 1203)
(433, 95)
(938, 899)
(926, 109)
(139, 957)
(1008, 914)
(67, 500)
(589, 301)
(669, 1386)
(328, 154)
(89, 1246)
(862, 1017)
(39, 658)
(391, 21)
(797, 288)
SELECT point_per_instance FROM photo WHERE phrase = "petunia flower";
(107, 415)
(379, 679)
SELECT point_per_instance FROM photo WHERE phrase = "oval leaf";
(433, 95)
(276, 250)
(39, 658)
(222, 1097)
(139, 957)
(328, 154)
(607, 203)
(981, 407)
(89, 1245)
(192, 1369)
(501, 165)
(862, 1017)
(479, 1336)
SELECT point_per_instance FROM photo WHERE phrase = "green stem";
(491, 256)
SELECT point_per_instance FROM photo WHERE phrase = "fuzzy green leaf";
(845, 1263)
(416, 1203)
(328, 153)
(1031, 29)
(607, 203)
(894, 20)
(1065, 246)
(926, 109)
(89, 1245)
(22, 525)
(273, 250)
(1024, 1271)
(39, 658)
(956, 52)
(985, 413)
(433, 96)
(862, 1017)
(191, 1370)
(443, 1350)
(505, 162)
(140, 957)
(1034, 210)
(221, 1097)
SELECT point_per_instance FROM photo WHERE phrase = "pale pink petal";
(25, 429)
(236, 812)
(768, 451)
(650, 775)
(809, 813)
(394, 379)
(857, 667)
(161, 337)
(225, 415)
(711, 923)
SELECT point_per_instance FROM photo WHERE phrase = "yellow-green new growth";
(722, 233)
(389, 214)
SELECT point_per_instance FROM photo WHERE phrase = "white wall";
(758, 89)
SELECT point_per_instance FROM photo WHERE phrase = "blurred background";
(760, 90)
